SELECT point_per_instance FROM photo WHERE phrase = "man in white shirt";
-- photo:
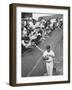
(48, 57)
(26, 42)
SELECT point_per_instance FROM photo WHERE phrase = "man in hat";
(48, 56)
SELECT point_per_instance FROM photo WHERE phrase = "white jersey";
(49, 55)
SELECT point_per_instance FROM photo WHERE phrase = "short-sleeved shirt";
(46, 54)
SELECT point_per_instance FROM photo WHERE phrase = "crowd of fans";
(33, 32)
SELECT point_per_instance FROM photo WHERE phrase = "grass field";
(30, 58)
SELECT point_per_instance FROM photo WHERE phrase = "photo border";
(12, 63)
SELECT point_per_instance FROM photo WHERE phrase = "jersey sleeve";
(44, 54)
(53, 54)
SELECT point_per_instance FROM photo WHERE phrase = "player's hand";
(33, 43)
(45, 58)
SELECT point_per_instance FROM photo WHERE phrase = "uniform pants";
(49, 68)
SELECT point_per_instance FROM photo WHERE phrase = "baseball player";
(48, 57)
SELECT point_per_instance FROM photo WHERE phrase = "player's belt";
(48, 61)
